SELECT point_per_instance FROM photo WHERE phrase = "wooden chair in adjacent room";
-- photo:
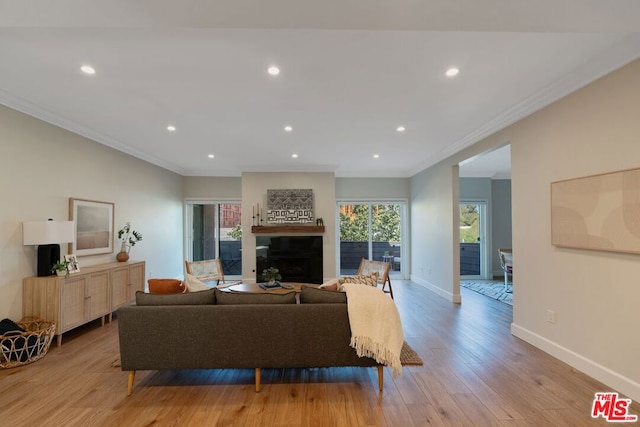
(382, 268)
(506, 263)
(209, 270)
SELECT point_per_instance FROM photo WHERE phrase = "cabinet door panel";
(98, 295)
(119, 291)
(136, 280)
(73, 301)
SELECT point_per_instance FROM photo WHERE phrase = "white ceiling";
(351, 72)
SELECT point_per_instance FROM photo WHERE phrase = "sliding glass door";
(214, 231)
(371, 230)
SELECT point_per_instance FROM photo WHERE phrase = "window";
(371, 230)
(214, 231)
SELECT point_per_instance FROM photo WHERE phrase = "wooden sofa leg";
(380, 377)
(258, 378)
(132, 376)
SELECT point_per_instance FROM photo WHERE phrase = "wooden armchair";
(208, 271)
(382, 268)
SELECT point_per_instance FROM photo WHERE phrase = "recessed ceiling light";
(376, 156)
(87, 69)
(400, 129)
(288, 128)
(171, 128)
(451, 72)
(211, 156)
(273, 70)
(294, 155)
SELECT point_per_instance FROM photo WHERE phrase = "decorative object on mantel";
(319, 222)
(129, 238)
(290, 206)
(257, 216)
(271, 276)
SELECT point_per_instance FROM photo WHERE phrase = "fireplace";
(299, 258)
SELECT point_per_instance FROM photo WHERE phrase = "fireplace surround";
(299, 258)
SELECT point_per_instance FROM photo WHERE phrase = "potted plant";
(271, 275)
(128, 238)
(60, 268)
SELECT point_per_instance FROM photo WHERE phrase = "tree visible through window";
(385, 223)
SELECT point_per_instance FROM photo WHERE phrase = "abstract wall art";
(599, 212)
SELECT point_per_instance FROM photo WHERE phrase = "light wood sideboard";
(92, 293)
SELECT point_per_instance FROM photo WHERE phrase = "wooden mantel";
(283, 229)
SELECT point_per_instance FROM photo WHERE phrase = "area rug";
(409, 357)
(491, 288)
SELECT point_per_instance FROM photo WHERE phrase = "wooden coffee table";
(255, 288)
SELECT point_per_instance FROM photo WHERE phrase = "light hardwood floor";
(475, 374)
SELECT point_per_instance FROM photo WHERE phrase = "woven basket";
(20, 348)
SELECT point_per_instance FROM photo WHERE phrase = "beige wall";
(212, 188)
(42, 166)
(594, 294)
(372, 188)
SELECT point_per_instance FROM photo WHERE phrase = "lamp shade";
(46, 232)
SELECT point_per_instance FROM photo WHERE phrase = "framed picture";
(597, 212)
(72, 266)
(93, 227)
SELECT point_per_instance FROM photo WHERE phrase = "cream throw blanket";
(376, 330)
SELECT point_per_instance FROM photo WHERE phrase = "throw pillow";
(369, 280)
(194, 285)
(331, 285)
(237, 298)
(190, 298)
(166, 286)
(321, 296)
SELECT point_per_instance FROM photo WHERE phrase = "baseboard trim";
(454, 298)
(603, 374)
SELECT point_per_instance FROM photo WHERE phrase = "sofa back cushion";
(190, 298)
(321, 296)
(236, 298)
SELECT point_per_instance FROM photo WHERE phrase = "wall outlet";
(551, 316)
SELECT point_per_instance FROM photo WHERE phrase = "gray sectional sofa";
(215, 329)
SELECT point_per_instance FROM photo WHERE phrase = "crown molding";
(597, 67)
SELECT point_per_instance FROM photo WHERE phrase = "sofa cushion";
(193, 284)
(236, 298)
(321, 296)
(190, 298)
(369, 280)
(165, 286)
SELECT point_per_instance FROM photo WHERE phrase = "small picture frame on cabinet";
(72, 263)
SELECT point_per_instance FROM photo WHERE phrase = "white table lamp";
(47, 235)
